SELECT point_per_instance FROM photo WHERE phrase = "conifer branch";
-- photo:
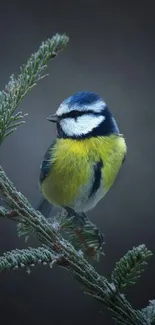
(149, 312)
(73, 260)
(20, 258)
(130, 267)
(8, 213)
(87, 238)
(19, 86)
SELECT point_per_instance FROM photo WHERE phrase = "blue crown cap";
(82, 98)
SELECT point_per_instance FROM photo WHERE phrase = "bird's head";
(82, 115)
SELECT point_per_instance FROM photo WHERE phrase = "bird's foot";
(88, 235)
(80, 218)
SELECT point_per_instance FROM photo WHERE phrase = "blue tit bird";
(82, 163)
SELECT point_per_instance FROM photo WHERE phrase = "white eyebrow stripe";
(96, 107)
(62, 109)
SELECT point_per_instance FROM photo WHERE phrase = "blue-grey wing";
(46, 164)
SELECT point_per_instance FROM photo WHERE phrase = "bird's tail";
(45, 208)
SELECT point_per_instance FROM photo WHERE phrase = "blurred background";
(111, 52)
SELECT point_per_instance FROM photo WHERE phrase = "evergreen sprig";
(20, 258)
(73, 260)
(88, 238)
(130, 267)
(149, 312)
(19, 86)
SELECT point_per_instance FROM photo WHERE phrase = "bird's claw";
(80, 218)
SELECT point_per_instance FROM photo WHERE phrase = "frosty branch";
(17, 88)
(52, 245)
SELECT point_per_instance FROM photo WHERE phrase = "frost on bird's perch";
(53, 247)
(20, 258)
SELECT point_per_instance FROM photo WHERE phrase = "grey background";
(111, 52)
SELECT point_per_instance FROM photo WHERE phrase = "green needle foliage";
(130, 267)
(17, 88)
(88, 239)
(20, 258)
(59, 240)
(149, 312)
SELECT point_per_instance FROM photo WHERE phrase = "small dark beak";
(52, 118)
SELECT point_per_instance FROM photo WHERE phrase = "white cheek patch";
(82, 125)
(95, 107)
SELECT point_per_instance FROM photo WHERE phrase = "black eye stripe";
(75, 114)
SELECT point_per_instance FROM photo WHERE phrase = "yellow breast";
(72, 166)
